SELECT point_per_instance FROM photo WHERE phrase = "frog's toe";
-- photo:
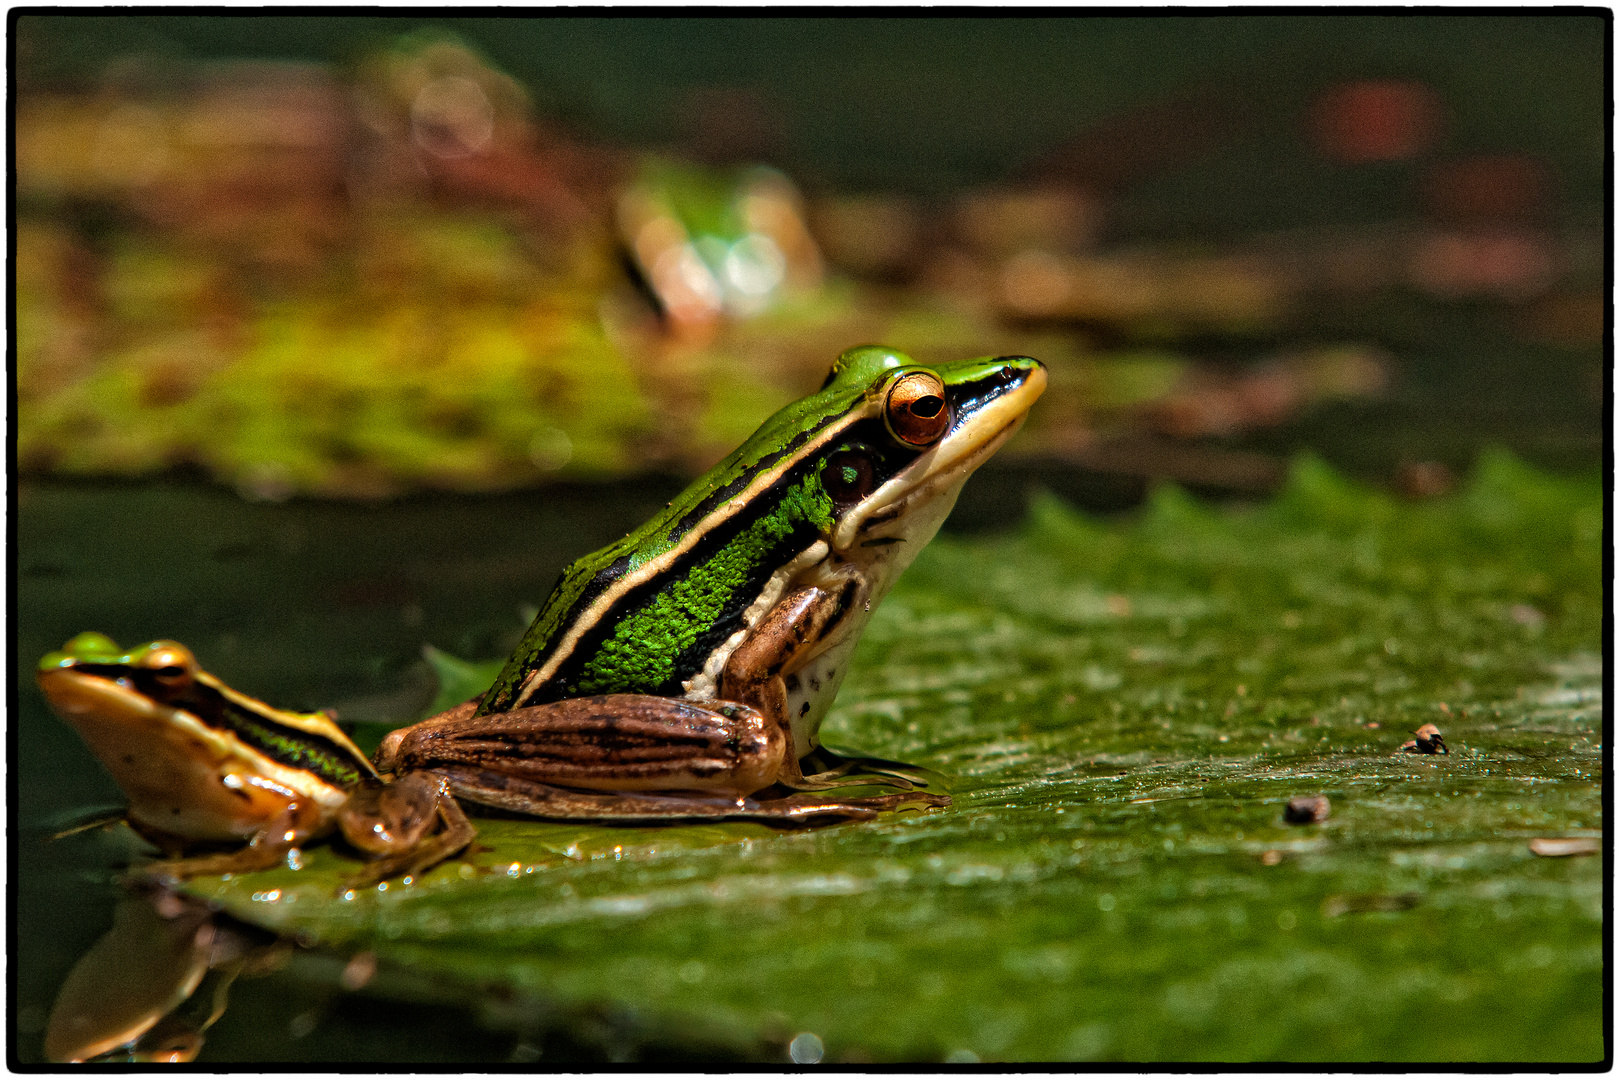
(804, 809)
(457, 834)
(835, 770)
(842, 778)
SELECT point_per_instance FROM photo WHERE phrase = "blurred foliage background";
(353, 269)
(364, 256)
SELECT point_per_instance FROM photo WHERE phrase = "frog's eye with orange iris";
(170, 665)
(916, 411)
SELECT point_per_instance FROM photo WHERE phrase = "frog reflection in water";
(681, 673)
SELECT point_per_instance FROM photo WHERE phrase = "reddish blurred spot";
(1424, 480)
(1149, 139)
(1514, 264)
(1376, 121)
(1494, 187)
(1211, 402)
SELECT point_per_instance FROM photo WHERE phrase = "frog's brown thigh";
(522, 796)
(611, 742)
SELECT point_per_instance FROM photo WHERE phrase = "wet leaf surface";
(1125, 710)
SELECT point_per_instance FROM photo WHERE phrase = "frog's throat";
(941, 469)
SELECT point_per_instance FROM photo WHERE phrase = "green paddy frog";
(685, 669)
(201, 762)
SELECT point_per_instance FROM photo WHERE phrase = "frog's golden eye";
(847, 478)
(916, 411)
(170, 665)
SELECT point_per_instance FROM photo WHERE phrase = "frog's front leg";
(787, 637)
(295, 825)
(801, 626)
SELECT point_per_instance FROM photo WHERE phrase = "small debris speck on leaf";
(1306, 810)
(1345, 903)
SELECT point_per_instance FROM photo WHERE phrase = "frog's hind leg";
(535, 799)
(610, 743)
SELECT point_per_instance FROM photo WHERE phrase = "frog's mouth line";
(946, 465)
(75, 694)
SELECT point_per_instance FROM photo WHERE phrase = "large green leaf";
(1124, 710)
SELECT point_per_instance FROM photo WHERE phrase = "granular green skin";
(292, 751)
(641, 654)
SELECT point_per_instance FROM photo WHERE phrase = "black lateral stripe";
(605, 577)
(293, 747)
(287, 746)
(561, 684)
(691, 659)
(969, 398)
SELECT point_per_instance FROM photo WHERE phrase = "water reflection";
(150, 988)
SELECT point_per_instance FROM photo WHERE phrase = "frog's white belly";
(811, 689)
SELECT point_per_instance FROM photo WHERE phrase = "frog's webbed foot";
(834, 770)
(874, 803)
(243, 861)
(535, 799)
(409, 806)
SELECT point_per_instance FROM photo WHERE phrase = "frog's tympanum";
(200, 762)
(680, 673)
